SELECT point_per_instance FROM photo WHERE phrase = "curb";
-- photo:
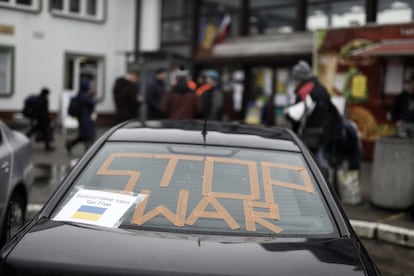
(384, 232)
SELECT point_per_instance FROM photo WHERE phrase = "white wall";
(41, 40)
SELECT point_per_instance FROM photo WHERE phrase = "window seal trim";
(68, 54)
(23, 8)
(12, 50)
(76, 17)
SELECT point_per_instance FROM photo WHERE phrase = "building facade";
(252, 43)
(53, 43)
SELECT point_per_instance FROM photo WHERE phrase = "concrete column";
(150, 29)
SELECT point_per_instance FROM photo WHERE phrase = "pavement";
(369, 222)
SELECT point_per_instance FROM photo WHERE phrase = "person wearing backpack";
(86, 127)
(41, 119)
(321, 125)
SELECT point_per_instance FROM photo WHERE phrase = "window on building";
(6, 70)
(177, 8)
(91, 7)
(177, 30)
(57, 5)
(269, 17)
(177, 21)
(74, 6)
(177, 26)
(392, 11)
(24, 5)
(84, 67)
(91, 10)
(270, 21)
(324, 14)
(24, 2)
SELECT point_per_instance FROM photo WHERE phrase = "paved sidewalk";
(370, 222)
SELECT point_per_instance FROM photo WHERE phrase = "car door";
(5, 170)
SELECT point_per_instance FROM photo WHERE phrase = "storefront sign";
(6, 29)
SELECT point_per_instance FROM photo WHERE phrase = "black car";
(189, 198)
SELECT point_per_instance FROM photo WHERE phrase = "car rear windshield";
(235, 191)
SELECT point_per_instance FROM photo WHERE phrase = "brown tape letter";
(208, 179)
(172, 164)
(221, 213)
(133, 175)
(177, 219)
(252, 217)
(268, 182)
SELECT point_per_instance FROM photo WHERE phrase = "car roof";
(217, 133)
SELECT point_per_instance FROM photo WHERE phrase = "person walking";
(86, 128)
(181, 102)
(320, 124)
(154, 94)
(126, 97)
(212, 99)
(41, 119)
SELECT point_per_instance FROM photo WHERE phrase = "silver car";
(16, 177)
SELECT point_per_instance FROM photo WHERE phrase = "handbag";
(312, 136)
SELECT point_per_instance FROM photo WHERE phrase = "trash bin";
(393, 173)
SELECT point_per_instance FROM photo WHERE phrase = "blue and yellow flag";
(87, 212)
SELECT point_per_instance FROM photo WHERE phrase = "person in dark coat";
(86, 128)
(212, 98)
(126, 97)
(321, 117)
(402, 111)
(154, 94)
(41, 120)
(181, 102)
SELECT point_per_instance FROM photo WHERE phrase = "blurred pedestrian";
(126, 96)
(41, 124)
(202, 85)
(154, 94)
(320, 125)
(86, 128)
(181, 102)
(201, 80)
(402, 111)
(212, 98)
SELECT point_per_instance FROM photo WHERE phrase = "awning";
(395, 47)
(291, 44)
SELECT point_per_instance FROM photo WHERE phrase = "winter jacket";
(181, 105)
(86, 125)
(324, 115)
(212, 102)
(154, 94)
(125, 96)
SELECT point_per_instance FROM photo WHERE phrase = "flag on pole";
(224, 28)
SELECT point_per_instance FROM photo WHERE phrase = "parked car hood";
(56, 248)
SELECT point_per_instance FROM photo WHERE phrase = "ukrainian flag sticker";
(86, 212)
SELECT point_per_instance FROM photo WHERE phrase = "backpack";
(75, 108)
(30, 107)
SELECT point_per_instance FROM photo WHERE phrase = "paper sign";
(97, 207)
(359, 86)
